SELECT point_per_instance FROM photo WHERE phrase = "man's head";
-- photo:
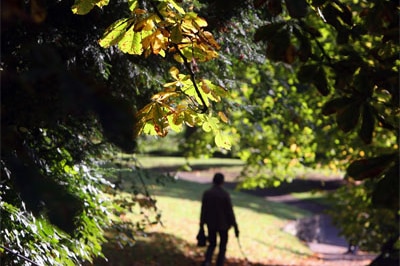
(218, 179)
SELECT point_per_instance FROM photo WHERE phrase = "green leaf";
(82, 7)
(297, 8)
(348, 117)
(211, 124)
(133, 4)
(131, 43)
(368, 124)
(114, 33)
(222, 141)
(370, 167)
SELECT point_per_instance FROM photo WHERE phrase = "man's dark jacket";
(216, 209)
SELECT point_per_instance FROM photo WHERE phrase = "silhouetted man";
(217, 213)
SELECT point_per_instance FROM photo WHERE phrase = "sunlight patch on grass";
(260, 229)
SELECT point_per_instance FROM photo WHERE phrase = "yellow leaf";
(162, 96)
(205, 88)
(223, 117)
(159, 120)
(293, 147)
(145, 24)
(210, 39)
(174, 72)
(187, 26)
(201, 22)
(178, 58)
(161, 53)
(139, 11)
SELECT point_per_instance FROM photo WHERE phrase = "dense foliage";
(61, 103)
(280, 84)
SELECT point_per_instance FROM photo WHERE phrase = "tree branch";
(204, 107)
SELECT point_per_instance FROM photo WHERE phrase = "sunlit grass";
(260, 223)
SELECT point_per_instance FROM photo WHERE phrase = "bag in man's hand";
(201, 238)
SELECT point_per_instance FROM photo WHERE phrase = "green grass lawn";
(260, 222)
(174, 242)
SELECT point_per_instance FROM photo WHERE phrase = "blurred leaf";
(345, 13)
(297, 8)
(305, 45)
(321, 82)
(318, 3)
(368, 124)
(222, 141)
(347, 118)
(370, 167)
(342, 36)
(38, 11)
(278, 46)
(331, 14)
(336, 105)
(314, 32)
(267, 32)
(386, 191)
(314, 74)
(274, 7)
(307, 73)
(223, 117)
(259, 3)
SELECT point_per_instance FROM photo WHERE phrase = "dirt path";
(329, 248)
